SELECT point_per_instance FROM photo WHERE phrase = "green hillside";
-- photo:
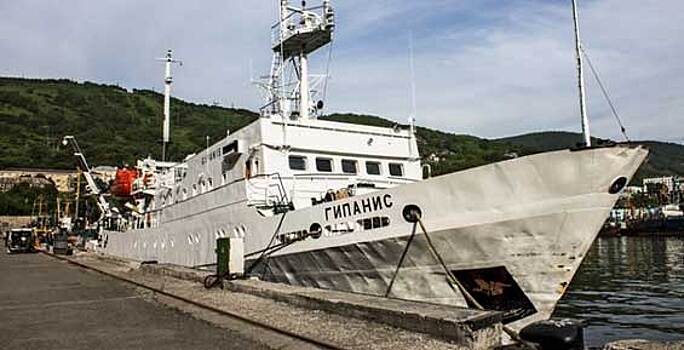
(112, 125)
(116, 126)
(455, 152)
(665, 159)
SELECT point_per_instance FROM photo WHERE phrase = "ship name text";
(362, 206)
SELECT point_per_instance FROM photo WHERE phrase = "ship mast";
(168, 80)
(586, 134)
(300, 31)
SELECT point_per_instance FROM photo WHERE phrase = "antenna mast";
(580, 78)
(300, 31)
(168, 80)
(412, 117)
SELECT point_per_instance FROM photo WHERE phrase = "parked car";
(20, 240)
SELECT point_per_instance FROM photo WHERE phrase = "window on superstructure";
(373, 168)
(324, 165)
(396, 169)
(297, 162)
(231, 147)
(349, 166)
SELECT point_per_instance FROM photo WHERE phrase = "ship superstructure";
(333, 199)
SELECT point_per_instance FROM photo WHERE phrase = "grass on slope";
(112, 125)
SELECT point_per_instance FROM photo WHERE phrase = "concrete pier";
(468, 327)
(91, 301)
(47, 304)
(344, 320)
(641, 344)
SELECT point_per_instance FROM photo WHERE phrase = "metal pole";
(167, 103)
(412, 118)
(78, 193)
(580, 78)
(304, 86)
(284, 111)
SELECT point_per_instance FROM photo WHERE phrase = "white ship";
(325, 204)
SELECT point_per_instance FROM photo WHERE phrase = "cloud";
(487, 67)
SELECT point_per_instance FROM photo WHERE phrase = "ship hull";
(514, 230)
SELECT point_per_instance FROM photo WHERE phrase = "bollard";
(230, 261)
(222, 256)
(555, 334)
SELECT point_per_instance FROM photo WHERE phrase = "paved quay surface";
(336, 330)
(49, 304)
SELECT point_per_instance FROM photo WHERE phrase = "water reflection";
(629, 287)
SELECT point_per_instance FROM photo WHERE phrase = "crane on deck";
(91, 186)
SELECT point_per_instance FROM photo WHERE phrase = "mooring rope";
(213, 280)
(401, 260)
(451, 279)
(268, 247)
(511, 332)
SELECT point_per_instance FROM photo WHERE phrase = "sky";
(490, 68)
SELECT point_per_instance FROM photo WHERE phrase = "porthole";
(618, 185)
(315, 231)
(412, 213)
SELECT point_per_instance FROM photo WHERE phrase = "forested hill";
(665, 158)
(116, 126)
(112, 125)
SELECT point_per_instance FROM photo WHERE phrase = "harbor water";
(627, 288)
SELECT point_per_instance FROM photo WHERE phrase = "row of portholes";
(182, 193)
(171, 244)
(220, 233)
(194, 238)
(204, 185)
(238, 232)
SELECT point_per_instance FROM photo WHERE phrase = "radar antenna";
(300, 31)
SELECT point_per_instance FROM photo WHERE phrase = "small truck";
(20, 240)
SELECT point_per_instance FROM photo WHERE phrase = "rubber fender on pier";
(555, 334)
